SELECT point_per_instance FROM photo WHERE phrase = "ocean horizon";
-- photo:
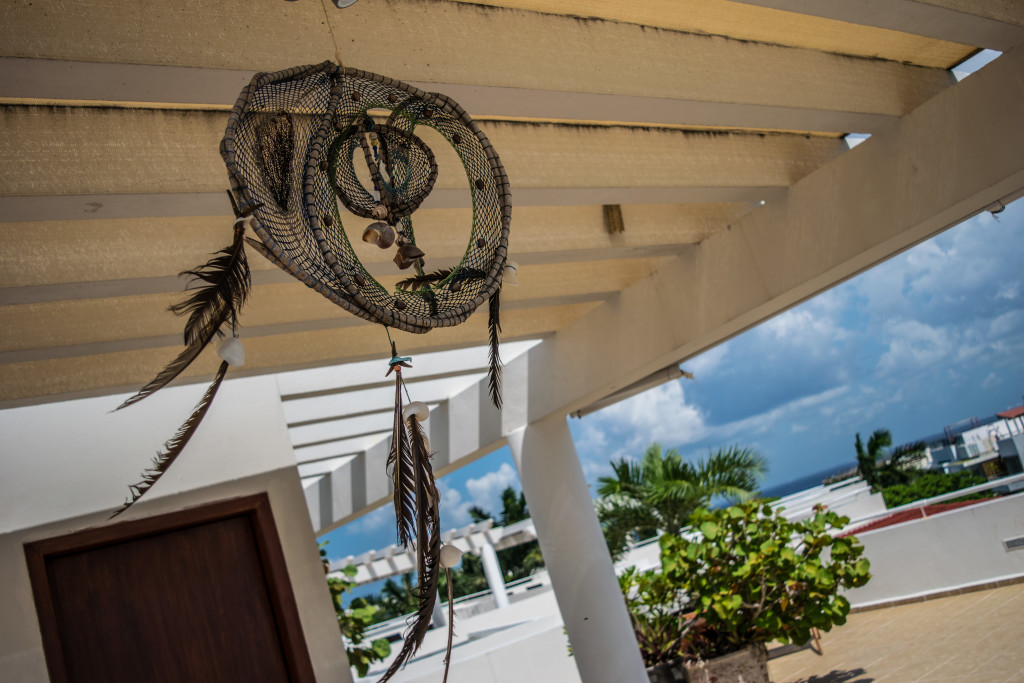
(806, 481)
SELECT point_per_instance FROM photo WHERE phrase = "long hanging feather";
(451, 623)
(174, 447)
(494, 368)
(210, 306)
(428, 548)
(403, 473)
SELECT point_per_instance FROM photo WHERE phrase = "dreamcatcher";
(297, 143)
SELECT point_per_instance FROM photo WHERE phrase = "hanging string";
(397, 360)
(334, 40)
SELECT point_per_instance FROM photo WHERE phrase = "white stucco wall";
(951, 550)
(66, 466)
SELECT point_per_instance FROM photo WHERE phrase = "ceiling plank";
(160, 248)
(766, 24)
(109, 373)
(109, 151)
(38, 81)
(998, 26)
(548, 51)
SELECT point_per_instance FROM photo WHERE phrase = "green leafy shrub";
(931, 484)
(754, 577)
(656, 609)
(353, 622)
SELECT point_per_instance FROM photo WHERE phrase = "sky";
(933, 336)
(929, 338)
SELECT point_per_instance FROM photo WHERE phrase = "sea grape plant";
(754, 577)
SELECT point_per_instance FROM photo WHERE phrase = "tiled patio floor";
(964, 638)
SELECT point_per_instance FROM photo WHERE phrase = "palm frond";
(494, 357)
(174, 447)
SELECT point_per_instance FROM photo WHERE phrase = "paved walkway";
(964, 638)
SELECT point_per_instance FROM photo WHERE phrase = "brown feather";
(403, 475)
(275, 142)
(174, 447)
(210, 307)
(428, 548)
(494, 356)
(227, 282)
(451, 623)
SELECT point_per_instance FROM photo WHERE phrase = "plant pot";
(749, 665)
(668, 672)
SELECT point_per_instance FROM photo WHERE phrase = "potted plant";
(742, 577)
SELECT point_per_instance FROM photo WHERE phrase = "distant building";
(992, 447)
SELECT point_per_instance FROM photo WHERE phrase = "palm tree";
(897, 470)
(867, 459)
(660, 492)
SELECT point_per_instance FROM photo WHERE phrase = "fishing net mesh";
(300, 140)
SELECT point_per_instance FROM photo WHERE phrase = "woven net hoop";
(300, 141)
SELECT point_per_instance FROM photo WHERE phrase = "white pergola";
(716, 127)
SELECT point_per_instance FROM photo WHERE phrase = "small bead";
(481, 242)
(479, 184)
(323, 166)
(399, 304)
(327, 220)
(339, 124)
(392, 98)
(456, 139)
(356, 96)
(428, 112)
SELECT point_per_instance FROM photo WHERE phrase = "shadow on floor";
(850, 676)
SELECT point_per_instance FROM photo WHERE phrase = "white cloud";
(992, 381)
(914, 345)
(486, 490)
(770, 419)
(1008, 290)
(454, 510)
(658, 414)
(375, 521)
(707, 362)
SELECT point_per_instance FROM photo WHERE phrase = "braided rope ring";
(306, 237)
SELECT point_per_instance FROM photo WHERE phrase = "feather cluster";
(225, 286)
(416, 507)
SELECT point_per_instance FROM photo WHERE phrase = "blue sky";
(932, 336)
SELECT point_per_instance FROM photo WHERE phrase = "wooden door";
(197, 595)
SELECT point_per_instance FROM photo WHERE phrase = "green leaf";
(710, 530)
(381, 647)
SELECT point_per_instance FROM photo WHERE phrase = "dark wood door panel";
(183, 597)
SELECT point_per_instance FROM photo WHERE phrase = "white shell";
(417, 408)
(450, 556)
(232, 351)
(511, 276)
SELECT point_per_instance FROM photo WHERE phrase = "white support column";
(575, 553)
(495, 578)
